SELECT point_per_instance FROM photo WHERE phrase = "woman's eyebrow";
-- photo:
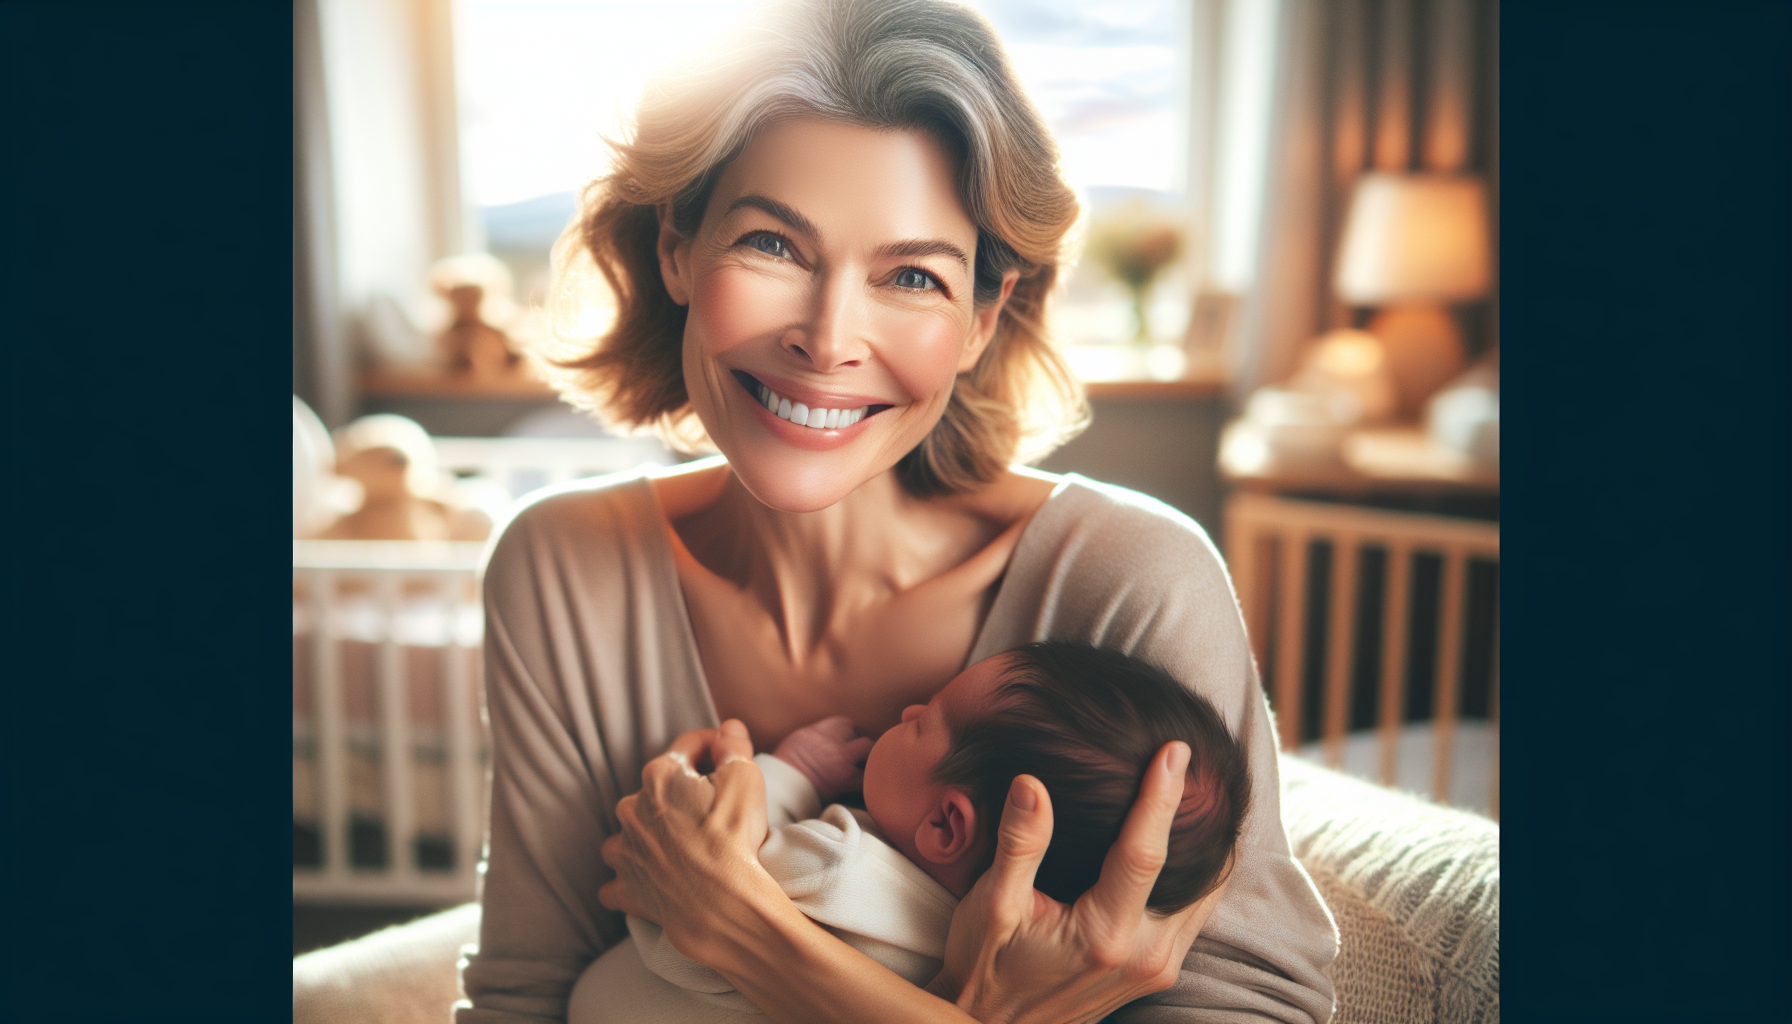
(778, 210)
(914, 247)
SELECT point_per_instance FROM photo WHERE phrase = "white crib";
(1311, 629)
(386, 657)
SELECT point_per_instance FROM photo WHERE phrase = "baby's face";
(900, 791)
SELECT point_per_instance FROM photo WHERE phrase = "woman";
(830, 246)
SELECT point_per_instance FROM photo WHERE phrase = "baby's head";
(1085, 722)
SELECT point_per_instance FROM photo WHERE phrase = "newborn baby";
(1084, 721)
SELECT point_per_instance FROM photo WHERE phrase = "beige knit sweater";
(592, 668)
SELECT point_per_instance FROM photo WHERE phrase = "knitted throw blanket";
(1415, 890)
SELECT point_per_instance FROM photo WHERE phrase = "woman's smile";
(806, 407)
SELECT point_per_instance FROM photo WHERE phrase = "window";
(540, 82)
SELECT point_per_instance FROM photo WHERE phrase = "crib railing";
(524, 464)
(389, 753)
(1312, 643)
(416, 605)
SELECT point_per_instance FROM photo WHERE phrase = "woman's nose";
(835, 335)
(913, 711)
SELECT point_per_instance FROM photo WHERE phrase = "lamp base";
(1424, 348)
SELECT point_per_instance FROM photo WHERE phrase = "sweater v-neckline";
(667, 572)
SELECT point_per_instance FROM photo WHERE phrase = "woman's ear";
(948, 834)
(675, 257)
(984, 321)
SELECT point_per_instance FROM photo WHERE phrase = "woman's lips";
(818, 417)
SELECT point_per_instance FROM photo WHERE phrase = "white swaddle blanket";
(836, 868)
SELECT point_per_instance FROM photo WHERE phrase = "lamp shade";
(1414, 238)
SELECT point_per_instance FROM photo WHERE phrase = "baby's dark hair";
(1086, 722)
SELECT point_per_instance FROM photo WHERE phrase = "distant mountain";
(531, 225)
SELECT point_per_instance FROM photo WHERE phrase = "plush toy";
(394, 461)
(474, 345)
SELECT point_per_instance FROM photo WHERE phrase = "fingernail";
(1177, 762)
(1022, 796)
(733, 727)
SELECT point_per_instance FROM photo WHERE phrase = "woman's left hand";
(1015, 954)
(687, 854)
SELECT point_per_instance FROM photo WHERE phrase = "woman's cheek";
(922, 351)
(732, 307)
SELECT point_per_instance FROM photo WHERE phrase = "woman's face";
(829, 288)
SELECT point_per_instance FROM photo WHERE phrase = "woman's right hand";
(686, 855)
(1017, 955)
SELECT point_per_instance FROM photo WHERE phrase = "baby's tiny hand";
(830, 753)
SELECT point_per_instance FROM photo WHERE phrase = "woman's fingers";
(860, 749)
(1133, 863)
(729, 743)
(1025, 832)
(690, 750)
(740, 797)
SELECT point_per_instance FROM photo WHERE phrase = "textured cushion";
(1415, 889)
(408, 974)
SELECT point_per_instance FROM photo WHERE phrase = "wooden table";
(1399, 458)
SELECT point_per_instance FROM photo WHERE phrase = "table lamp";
(1412, 244)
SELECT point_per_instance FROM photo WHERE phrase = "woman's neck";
(811, 570)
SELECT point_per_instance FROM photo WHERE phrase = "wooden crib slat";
(395, 738)
(1340, 643)
(1290, 636)
(1493, 712)
(1449, 667)
(463, 752)
(326, 705)
(1398, 591)
(1245, 556)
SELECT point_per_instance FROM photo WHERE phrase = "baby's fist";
(830, 754)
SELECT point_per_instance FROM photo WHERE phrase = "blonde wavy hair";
(927, 65)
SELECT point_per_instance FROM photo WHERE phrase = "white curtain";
(376, 190)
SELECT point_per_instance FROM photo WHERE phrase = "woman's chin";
(800, 481)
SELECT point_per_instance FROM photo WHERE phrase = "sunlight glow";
(541, 81)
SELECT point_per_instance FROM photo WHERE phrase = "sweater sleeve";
(1119, 570)
(580, 686)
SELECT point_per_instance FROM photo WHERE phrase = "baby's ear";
(949, 833)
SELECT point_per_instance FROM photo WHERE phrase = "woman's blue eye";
(911, 278)
(771, 245)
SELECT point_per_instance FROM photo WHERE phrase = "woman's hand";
(687, 854)
(1015, 954)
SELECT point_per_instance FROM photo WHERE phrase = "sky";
(541, 81)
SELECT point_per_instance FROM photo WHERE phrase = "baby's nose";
(913, 711)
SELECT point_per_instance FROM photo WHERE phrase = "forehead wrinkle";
(780, 211)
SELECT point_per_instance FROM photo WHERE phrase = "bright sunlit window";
(541, 81)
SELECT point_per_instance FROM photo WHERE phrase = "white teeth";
(800, 414)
